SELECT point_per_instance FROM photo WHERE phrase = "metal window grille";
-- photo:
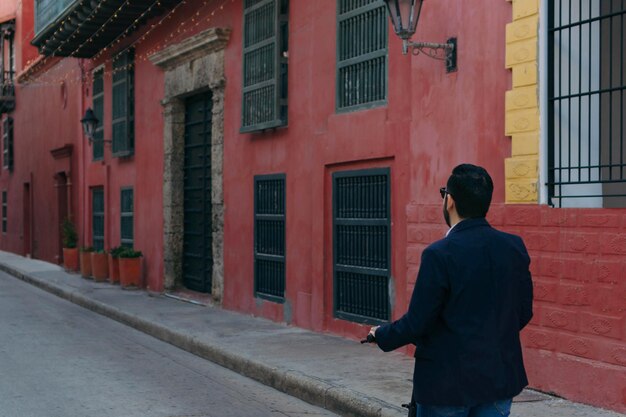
(362, 245)
(4, 211)
(7, 143)
(97, 216)
(361, 54)
(586, 112)
(126, 217)
(7, 66)
(123, 104)
(98, 111)
(269, 237)
(265, 62)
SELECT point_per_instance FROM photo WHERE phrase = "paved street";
(58, 359)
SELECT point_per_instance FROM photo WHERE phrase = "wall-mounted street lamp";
(404, 15)
(90, 123)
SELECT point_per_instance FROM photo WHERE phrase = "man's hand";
(371, 336)
(373, 331)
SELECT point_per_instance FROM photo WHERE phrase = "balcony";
(81, 28)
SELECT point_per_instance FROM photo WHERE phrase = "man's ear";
(450, 202)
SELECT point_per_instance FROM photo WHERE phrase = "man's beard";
(446, 214)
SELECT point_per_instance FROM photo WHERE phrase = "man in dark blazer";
(472, 297)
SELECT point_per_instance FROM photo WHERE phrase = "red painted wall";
(432, 122)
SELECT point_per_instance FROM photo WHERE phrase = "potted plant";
(100, 265)
(114, 264)
(85, 261)
(130, 268)
(70, 251)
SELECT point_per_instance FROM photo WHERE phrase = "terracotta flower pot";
(114, 270)
(70, 259)
(130, 272)
(100, 266)
(85, 264)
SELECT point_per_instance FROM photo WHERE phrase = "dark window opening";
(586, 112)
(123, 140)
(361, 54)
(269, 237)
(98, 111)
(126, 217)
(97, 210)
(265, 63)
(362, 245)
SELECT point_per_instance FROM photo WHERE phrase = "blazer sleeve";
(526, 291)
(426, 304)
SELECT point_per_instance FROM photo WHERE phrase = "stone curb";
(315, 391)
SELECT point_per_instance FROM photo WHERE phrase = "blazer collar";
(469, 224)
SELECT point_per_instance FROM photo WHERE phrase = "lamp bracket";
(441, 51)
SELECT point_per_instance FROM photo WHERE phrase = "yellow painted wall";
(522, 103)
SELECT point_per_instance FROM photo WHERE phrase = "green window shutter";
(265, 47)
(269, 237)
(126, 217)
(7, 143)
(361, 54)
(98, 111)
(97, 211)
(123, 104)
(4, 212)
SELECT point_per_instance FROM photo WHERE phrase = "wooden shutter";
(361, 54)
(98, 111)
(7, 143)
(123, 104)
(264, 65)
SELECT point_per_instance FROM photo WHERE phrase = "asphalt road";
(60, 360)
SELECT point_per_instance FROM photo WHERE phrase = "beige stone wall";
(522, 103)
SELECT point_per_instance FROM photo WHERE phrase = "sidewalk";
(338, 374)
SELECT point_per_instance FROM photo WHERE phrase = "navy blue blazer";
(472, 297)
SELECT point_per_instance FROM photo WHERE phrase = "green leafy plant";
(129, 253)
(115, 251)
(70, 237)
(100, 251)
(86, 249)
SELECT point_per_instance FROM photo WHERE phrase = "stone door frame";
(192, 66)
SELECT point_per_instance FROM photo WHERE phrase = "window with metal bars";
(98, 111)
(126, 217)
(362, 245)
(586, 111)
(7, 143)
(123, 140)
(7, 66)
(361, 54)
(265, 63)
(269, 237)
(4, 211)
(97, 217)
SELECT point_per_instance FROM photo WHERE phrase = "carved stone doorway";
(191, 67)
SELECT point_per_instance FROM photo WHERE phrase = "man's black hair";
(472, 188)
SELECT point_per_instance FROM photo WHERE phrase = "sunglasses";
(443, 192)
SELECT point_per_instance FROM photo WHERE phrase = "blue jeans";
(494, 409)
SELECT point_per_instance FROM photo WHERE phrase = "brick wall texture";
(575, 345)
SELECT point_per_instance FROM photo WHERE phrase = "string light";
(73, 76)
